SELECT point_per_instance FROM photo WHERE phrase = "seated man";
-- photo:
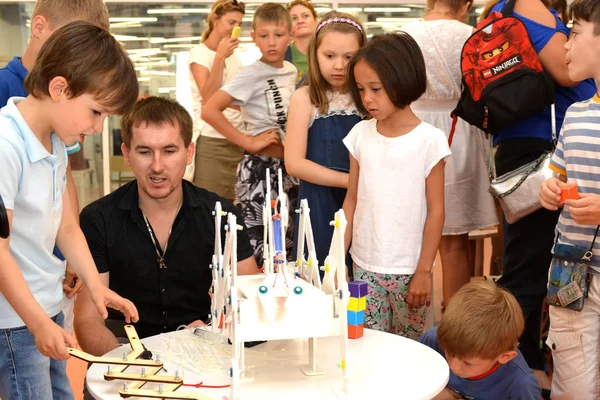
(153, 239)
(478, 336)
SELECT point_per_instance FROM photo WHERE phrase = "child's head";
(223, 17)
(271, 29)
(304, 18)
(387, 74)
(480, 328)
(81, 75)
(583, 47)
(335, 41)
(157, 136)
(49, 15)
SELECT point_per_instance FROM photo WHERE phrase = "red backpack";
(502, 76)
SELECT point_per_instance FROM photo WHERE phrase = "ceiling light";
(165, 90)
(173, 40)
(387, 9)
(179, 11)
(144, 79)
(393, 19)
(179, 46)
(322, 9)
(133, 19)
(350, 9)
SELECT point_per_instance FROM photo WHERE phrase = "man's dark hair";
(157, 111)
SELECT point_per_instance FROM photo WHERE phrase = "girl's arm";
(419, 290)
(50, 338)
(209, 82)
(296, 164)
(72, 244)
(212, 113)
(350, 201)
(553, 54)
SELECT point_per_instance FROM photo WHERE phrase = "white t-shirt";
(264, 92)
(204, 56)
(391, 203)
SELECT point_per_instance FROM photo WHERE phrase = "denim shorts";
(25, 373)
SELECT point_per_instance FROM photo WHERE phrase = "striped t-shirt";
(577, 156)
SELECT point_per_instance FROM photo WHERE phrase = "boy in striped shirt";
(575, 336)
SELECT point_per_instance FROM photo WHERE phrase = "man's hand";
(71, 284)
(52, 340)
(103, 297)
(263, 140)
(196, 324)
(586, 210)
(550, 193)
(419, 290)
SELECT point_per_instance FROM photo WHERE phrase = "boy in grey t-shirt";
(263, 89)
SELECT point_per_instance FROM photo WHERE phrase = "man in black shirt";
(153, 239)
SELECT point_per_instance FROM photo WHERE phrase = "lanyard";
(161, 254)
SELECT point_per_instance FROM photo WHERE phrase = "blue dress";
(324, 146)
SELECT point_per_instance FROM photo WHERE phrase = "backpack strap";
(451, 136)
(509, 8)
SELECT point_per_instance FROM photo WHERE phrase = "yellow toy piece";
(236, 32)
(357, 305)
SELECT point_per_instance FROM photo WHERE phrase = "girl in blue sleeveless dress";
(320, 115)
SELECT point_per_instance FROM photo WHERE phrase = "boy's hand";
(226, 47)
(52, 341)
(103, 297)
(447, 394)
(586, 210)
(263, 140)
(71, 284)
(550, 193)
(419, 290)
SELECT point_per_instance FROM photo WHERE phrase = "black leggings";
(527, 249)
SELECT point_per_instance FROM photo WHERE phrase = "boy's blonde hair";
(317, 85)
(272, 12)
(91, 61)
(61, 12)
(220, 8)
(482, 320)
(157, 111)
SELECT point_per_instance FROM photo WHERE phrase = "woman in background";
(212, 64)
(304, 21)
(441, 35)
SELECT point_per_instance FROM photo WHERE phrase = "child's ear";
(507, 356)
(253, 35)
(58, 87)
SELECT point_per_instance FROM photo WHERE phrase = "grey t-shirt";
(264, 93)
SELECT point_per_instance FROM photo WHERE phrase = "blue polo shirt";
(12, 79)
(511, 381)
(32, 184)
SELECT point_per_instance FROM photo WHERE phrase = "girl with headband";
(321, 114)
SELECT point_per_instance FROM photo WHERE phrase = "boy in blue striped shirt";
(575, 336)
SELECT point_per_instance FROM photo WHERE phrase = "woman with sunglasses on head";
(212, 64)
(304, 21)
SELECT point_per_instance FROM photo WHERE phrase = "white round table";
(382, 366)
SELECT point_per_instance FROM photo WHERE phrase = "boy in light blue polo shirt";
(72, 89)
(47, 16)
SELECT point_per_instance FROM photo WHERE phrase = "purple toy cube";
(358, 289)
